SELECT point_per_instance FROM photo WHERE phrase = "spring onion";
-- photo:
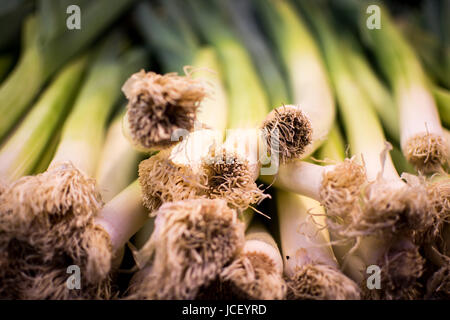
(394, 212)
(421, 138)
(309, 263)
(52, 214)
(233, 170)
(193, 240)
(176, 174)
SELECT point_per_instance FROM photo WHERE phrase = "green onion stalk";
(47, 45)
(442, 97)
(242, 19)
(232, 171)
(48, 154)
(51, 221)
(393, 214)
(21, 152)
(303, 63)
(377, 93)
(118, 162)
(176, 175)
(422, 139)
(310, 266)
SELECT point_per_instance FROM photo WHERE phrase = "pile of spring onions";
(224, 149)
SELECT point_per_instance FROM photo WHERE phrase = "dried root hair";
(340, 193)
(357, 208)
(164, 181)
(254, 275)
(388, 211)
(401, 268)
(439, 193)
(192, 241)
(46, 225)
(230, 177)
(438, 286)
(158, 105)
(60, 199)
(294, 131)
(321, 282)
(427, 152)
(31, 269)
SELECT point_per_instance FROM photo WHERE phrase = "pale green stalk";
(377, 93)
(22, 151)
(247, 29)
(118, 162)
(442, 97)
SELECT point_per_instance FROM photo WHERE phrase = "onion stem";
(20, 154)
(309, 263)
(118, 161)
(421, 138)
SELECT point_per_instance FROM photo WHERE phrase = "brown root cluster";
(427, 152)
(254, 275)
(340, 193)
(46, 225)
(321, 282)
(191, 242)
(439, 193)
(401, 267)
(231, 178)
(357, 208)
(438, 286)
(390, 211)
(164, 181)
(290, 129)
(159, 105)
